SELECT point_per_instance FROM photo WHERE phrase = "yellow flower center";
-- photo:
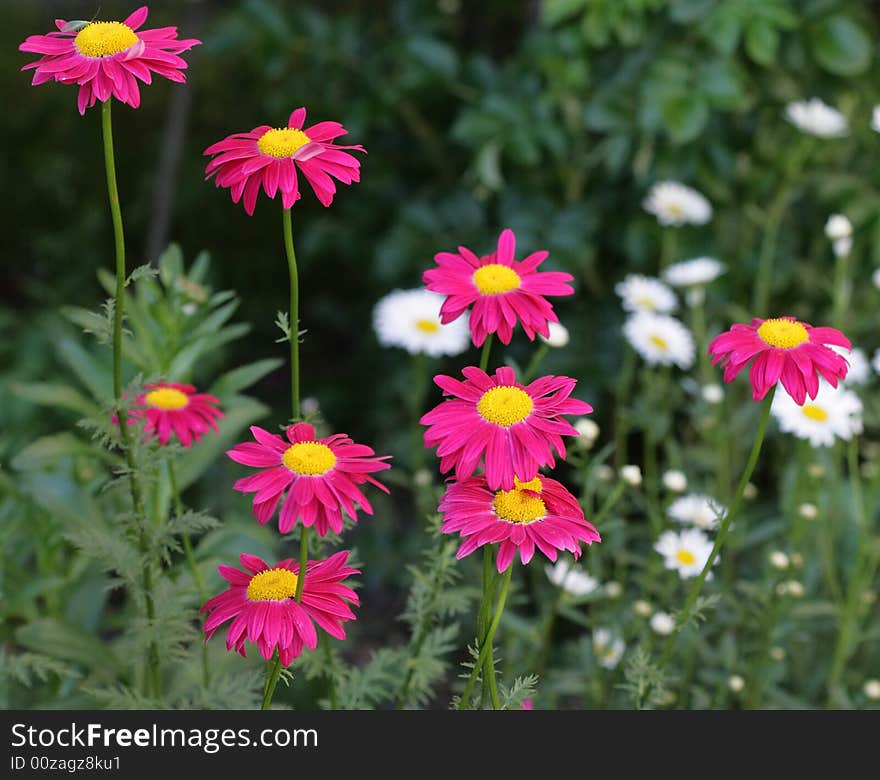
(167, 398)
(272, 585)
(309, 458)
(814, 412)
(645, 303)
(495, 278)
(659, 343)
(101, 39)
(519, 506)
(282, 142)
(675, 210)
(785, 334)
(686, 557)
(505, 406)
(428, 326)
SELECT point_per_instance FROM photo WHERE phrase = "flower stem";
(537, 357)
(768, 251)
(153, 677)
(485, 613)
(191, 563)
(621, 413)
(486, 644)
(693, 595)
(294, 312)
(273, 672)
(842, 291)
(668, 246)
(487, 349)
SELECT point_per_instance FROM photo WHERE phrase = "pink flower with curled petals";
(268, 158)
(513, 427)
(502, 290)
(318, 479)
(172, 408)
(260, 603)
(106, 59)
(785, 350)
(539, 513)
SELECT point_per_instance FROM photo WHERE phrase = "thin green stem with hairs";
(153, 676)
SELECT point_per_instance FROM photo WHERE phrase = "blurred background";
(552, 118)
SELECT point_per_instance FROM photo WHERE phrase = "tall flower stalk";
(153, 676)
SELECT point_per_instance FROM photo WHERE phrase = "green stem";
(487, 349)
(153, 678)
(842, 291)
(668, 247)
(621, 413)
(485, 612)
(294, 312)
(465, 700)
(685, 615)
(849, 620)
(191, 564)
(764, 284)
(540, 354)
(273, 672)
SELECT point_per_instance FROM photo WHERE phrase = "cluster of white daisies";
(652, 331)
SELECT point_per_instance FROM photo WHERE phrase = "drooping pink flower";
(269, 157)
(502, 290)
(785, 350)
(107, 58)
(174, 408)
(319, 476)
(512, 426)
(539, 513)
(260, 602)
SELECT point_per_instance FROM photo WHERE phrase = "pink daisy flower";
(320, 477)
(260, 602)
(173, 408)
(512, 425)
(107, 58)
(784, 349)
(502, 290)
(539, 513)
(268, 157)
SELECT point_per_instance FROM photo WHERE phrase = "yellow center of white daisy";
(814, 412)
(309, 458)
(101, 39)
(784, 334)
(272, 585)
(428, 326)
(519, 506)
(494, 278)
(282, 142)
(660, 343)
(645, 303)
(505, 406)
(166, 398)
(686, 557)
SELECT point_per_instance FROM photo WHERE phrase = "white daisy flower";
(779, 560)
(712, 394)
(817, 118)
(686, 551)
(410, 319)
(631, 474)
(676, 204)
(838, 226)
(859, 369)
(588, 432)
(608, 648)
(842, 247)
(697, 510)
(572, 579)
(871, 688)
(875, 278)
(833, 413)
(662, 623)
(875, 119)
(694, 273)
(808, 511)
(660, 340)
(644, 293)
(675, 481)
(558, 335)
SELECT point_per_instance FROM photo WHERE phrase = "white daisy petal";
(685, 551)
(660, 340)
(674, 203)
(644, 293)
(693, 273)
(835, 413)
(697, 510)
(817, 118)
(410, 319)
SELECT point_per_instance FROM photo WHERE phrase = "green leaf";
(55, 395)
(555, 11)
(87, 369)
(170, 265)
(762, 41)
(841, 46)
(243, 377)
(50, 449)
(60, 640)
(685, 116)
